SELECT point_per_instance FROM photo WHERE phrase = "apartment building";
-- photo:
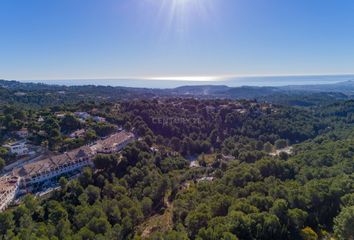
(114, 143)
(8, 189)
(46, 169)
(31, 174)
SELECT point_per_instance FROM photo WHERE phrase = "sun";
(178, 17)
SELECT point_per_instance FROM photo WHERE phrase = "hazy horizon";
(230, 82)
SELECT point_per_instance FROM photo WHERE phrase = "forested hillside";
(260, 171)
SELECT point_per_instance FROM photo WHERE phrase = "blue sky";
(64, 39)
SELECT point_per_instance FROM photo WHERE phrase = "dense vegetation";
(242, 189)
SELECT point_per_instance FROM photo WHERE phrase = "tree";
(93, 194)
(280, 143)
(90, 135)
(99, 225)
(56, 212)
(175, 143)
(297, 218)
(4, 152)
(279, 209)
(170, 235)
(308, 234)
(267, 226)
(63, 229)
(283, 156)
(6, 222)
(173, 163)
(117, 232)
(343, 224)
(103, 129)
(114, 215)
(2, 164)
(268, 147)
(105, 162)
(197, 219)
(213, 137)
(86, 234)
(161, 190)
(348, 200)
(146, 206)
(220, 205)
(70, 123)
(86, 177)
(149, 140)
(63, 182)
(229, 236)
(34, 206)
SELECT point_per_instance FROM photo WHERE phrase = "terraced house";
(8, 190)
(49, 168)
(25, 178)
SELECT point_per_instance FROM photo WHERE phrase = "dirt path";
(157, 222)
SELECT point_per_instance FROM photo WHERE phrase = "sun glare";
(182, 1)
(180, 16)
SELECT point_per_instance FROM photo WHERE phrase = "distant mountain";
(302, 95)
(346, 87)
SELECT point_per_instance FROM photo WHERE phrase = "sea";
(231, 82)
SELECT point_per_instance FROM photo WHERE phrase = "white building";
(114, 143)
(18, 148)
(60, 115)
(44, 170)
(99, 119)
(82, 115)
(9, 186)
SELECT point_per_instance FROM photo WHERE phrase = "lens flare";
(179, 17)
(181, 1)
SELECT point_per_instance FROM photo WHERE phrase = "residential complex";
(114, 143)
(25, 178)
(46, 169)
